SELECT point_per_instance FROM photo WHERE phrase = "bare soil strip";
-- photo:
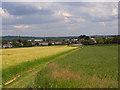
(10, 81)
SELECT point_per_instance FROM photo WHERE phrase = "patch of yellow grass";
(18, 55)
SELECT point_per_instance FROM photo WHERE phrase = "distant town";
(74, 41)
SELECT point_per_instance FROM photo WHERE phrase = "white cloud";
(5, 14)
(66, 19)
(63, 13)
(1, 11)
(115, 11)
(97, 10)
(66, 14)
(21, 26)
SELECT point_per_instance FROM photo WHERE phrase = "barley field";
(13, 56)
(18, 60)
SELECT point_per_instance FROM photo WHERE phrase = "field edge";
(19, 69)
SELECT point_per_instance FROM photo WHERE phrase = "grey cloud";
(47, 22)
(22, 9)
(30, 19)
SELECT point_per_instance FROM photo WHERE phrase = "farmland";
(15, 56)
(89, 67)
(86, 67)
(18, 60)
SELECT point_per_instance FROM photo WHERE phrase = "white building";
(44, 43)
(58, 42)
(29, 40)
(74, 40)
(33, 43)
(38, 40)
(7, 46)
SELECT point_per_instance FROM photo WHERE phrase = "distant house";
(44, 43)
(82, 39)
(9, 42)
(20, 43)
(59, 42)
(29, 40)
(7, 46)
(74, 40)
(94, 40)
(110, 37)
(52, 42)
(33, 43)
(17, 42)
(38, 40)
(67, 40)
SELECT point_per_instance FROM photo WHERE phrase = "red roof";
(82, 39)
(9, 42)
(93, 39)
(17, 42)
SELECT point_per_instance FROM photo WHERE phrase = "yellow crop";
(15, 56)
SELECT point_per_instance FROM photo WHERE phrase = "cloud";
(5, 13)
(19, 9)
(115, 11)
(21, 26)
(63, 13)
(95, 11)
(103, 23)
(80, 19)
(18, 17)
(58, 19)
(2, 11)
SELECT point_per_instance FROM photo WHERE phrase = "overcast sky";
(59, 19)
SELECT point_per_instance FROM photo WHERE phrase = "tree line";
(100, 40)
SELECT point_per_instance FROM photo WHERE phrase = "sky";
(52, 19)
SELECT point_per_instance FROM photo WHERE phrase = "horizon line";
(59, 36)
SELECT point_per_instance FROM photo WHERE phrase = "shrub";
(49, 44)
(108, 41)
(88, 42)
(100, 41)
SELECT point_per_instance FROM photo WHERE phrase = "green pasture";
(88, 67)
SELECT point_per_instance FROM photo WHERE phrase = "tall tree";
(82, 36)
